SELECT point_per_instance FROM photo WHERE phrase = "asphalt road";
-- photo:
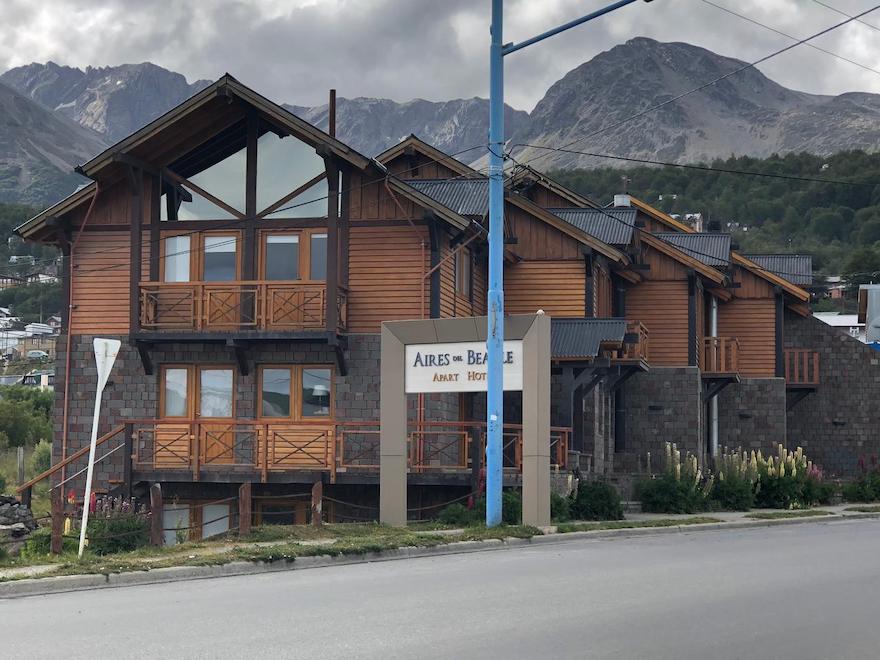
(800, 592)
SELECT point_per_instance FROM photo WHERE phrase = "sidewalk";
(377, 543)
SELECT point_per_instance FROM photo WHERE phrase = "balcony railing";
(639, 349)
(720, 355)
(801, 366)
(197, 447)
(225, 306)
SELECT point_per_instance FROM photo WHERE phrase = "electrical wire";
(703, 86)
(784, 34)
(843, 13)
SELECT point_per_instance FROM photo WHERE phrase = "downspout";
(713, 402)
(68, 342)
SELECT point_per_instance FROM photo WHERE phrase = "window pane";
(215, 519)
(177, 253)
(220, 252)
(275, 394)
(283, 165)
(282, 257)
(226, 179)
(201, 209)
(318, 257)
(215, 395)
(316, 392)
(309, 204)
(163, 207)
(175, 519)
(175, 393)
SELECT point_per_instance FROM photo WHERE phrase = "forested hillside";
(834, 221)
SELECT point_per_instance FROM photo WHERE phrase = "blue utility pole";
(495, 298)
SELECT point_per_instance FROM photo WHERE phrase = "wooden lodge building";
(246, 260)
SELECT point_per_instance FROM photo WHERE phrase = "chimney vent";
(622, 201)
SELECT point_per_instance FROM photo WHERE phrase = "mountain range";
(54, 117)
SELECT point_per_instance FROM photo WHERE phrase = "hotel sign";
(459, 367)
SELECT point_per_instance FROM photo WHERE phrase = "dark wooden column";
(332, 243)
(136, 181)
(434, 239)
(589, 283)
(249, 226)
(155, 227)
(692, 319)
(780, 333)
(344, 226)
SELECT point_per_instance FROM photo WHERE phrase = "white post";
(106, 351)
(713, 402)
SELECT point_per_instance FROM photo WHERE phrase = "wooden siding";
(371, 200)
(546, 198)
(557, 287)
(752, 286)
(419, 166)
(101, 269)
(536, 239)
(753, 323)
(604, 292)
(386, 276)
(663, 267)
(663, 308)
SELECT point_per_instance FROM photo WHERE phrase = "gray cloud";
(294, 50)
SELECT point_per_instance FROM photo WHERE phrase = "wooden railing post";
(317, 502)
(157, 516)
(245, 509)
(56, 540)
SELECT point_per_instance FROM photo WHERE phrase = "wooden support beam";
(157, 516)
(137, 212)
(155, 228)
(317, 503)
(434, 240)
(186, 183)
(249, 229)
(143, 349)
(692, 320)
(332, 168)
(780, 333)
(245, 509)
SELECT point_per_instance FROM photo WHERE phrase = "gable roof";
(225, 86)
(572, 339)
(708, 248)
(789, 287)
(796, 268)
(612, 226)
(528, 174)
(417, 144)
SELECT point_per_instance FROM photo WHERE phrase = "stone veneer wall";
(130, 394)
(751, 414)
(664, 405)
(840, 422)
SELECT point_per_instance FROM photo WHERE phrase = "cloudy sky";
(294, 50)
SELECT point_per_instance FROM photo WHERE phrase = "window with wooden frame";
(295, 392)
(194, 391)
(464, 272)
(291, 254)
(209, 182)
(211, 256)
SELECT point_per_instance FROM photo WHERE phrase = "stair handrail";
(77, 454)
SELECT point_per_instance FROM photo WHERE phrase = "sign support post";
(106, 351)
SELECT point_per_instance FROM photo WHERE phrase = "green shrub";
(41, 460)
(459, 515)
(596, 500)
(666, 494)
(2, 484)
(866, 487)
(560, 508)
(39, 544)
(732, 494)
(120, 532)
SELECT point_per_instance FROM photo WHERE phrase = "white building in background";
(848, 323)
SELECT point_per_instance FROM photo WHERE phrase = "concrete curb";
(66, 583)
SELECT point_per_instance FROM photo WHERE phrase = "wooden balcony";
(226, 449)
(801, 367)
(274, 306)
(720, 355)
(637, 350)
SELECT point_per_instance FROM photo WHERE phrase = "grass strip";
(873, 508)
(777, 515)
(565, 528)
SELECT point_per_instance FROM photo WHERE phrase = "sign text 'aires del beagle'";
(459, 367)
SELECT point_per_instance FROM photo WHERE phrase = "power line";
(784, 34)
(688, 251)
(678, 97)
(843, 13)
(702, 168)
(235, 222)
